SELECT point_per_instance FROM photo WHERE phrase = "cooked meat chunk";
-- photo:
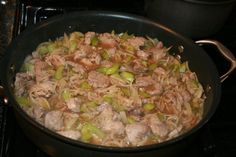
(136, 133)
(73, 104)
(98, 80)
(143, 81)
(158, 128)
(108, 120)
(107, 41)
(54, 120)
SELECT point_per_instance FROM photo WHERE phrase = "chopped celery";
(44, 103)
(73, 46)
(113, 102)
(76, 35)
(108, 99)
(153, 137)
(28, 67)
(85, 85)
(128, 76)
(161, 116)
(147, 45)
(144, 94)
(118, 107)
(94, 40)
(127, 59)
(88, 130)
(128, 48)
(118, 78)
(59, 72)
(183, 67)
(154, 41)
(102, 70)
(149, 106)
(70, 122)
(195, 109)
(47, 47)
(125, 36)
(152, 66)
(126, 91)
(66, 95)
(43, 48)
(144, 63)
(131, 120)
(23, 101)
(109, 70)
(105, 55)
(174, 67)
(86, 107)
(162, 63)
(113, 69)
(51, 47)
(194, 84)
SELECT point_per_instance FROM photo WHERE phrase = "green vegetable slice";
(87, 131)
(128, 76)
(59, 72)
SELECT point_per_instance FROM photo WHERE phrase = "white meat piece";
(136, 42)
(95, 58)
(69, 120)
(143, 81)
(111, 51)
(155, 89)
(87, 37)
(54, 120)
(138, 66)
(113, 127)
(109, 120)
(160, 71)
(73, 104)
(70, 134)
(77, 67)
(107, 40)
(106, 63)
(40, 74)
(158, 52)
(78, 54)
(98, 80)
(143, 55)
(23, 81)
(136, 133)
(158, 128)
(44, 89)
(55, 60)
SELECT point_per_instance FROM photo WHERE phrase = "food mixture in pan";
(109, 89)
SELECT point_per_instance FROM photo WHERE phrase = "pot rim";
(208, 2)
(77, 143)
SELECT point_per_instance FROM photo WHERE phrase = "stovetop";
(216, 139)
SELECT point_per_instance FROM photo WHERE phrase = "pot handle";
(225, 52)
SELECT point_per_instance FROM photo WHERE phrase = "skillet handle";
(225, 52)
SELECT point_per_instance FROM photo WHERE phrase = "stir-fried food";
(109, 89)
